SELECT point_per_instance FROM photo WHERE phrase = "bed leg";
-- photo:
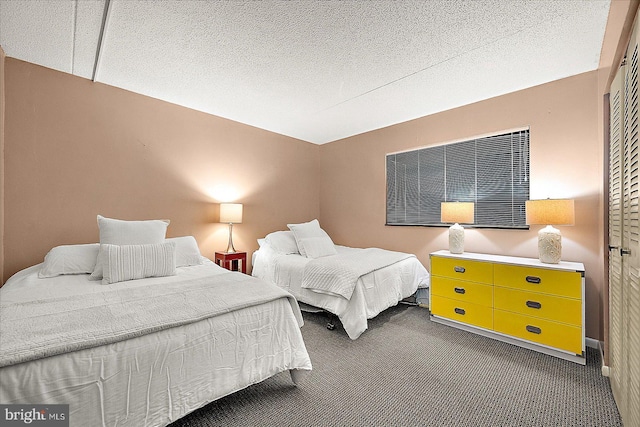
(331, 325)
(298, 375)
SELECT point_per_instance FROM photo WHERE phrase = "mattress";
(374, 292)
(154, 379)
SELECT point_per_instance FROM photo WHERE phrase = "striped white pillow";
(130, 262)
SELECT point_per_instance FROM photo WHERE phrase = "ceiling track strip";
(103, 30)
(75, 37)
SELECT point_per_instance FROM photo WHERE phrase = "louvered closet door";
(631, 238)
(616, 151)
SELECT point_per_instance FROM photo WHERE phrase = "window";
(491, 171)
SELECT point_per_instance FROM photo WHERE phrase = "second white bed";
(373, 293)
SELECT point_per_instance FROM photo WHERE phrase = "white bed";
(152, 376)
(374, 291)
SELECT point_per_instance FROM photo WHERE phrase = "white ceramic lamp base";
(456, 239)
(549, 245)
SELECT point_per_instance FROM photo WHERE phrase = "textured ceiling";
(314, 70)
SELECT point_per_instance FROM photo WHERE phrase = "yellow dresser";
(518, 300)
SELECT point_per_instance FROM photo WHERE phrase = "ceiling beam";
(103, 30)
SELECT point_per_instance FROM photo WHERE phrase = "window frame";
(448, 197)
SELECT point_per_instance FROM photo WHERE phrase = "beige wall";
(75, 149)
(566, 161)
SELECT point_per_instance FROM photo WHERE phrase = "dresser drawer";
(461, 290)
(553, 282)
(462, 311)
(550, 307)
(546, 332)
(462, 269)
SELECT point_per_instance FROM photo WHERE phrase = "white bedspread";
(373, 293)
(338, 274)
(156, 378)
(47, 327)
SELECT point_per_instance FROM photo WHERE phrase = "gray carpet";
(408, 371)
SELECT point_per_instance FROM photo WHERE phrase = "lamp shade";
(459, 212)
(550, 212)
(231, 213)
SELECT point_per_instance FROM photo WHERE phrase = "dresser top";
(529, 262)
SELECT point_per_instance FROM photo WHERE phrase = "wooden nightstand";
(232, 261)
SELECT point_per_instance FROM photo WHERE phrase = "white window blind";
(491, 171)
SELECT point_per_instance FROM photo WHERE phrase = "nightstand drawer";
(558, 335)
(462, 311)
(553, 282)
(462, 269)
(559, 309)
(460, 290)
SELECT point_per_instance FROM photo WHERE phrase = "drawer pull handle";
(533, 279)
(534, 329)
(459, 290)
(534, 304)
(458, 269)
(459, 311)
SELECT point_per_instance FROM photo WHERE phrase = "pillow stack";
(127, 250)
(312, 241)
(306, 239)
(118, 232)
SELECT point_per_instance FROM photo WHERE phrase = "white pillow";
(130, 262)
(118, 232)
(187, 252)
(69, 259)
(312, 241)
(282, 242)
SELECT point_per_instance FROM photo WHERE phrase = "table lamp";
(456, 212)
(550, 212)
(231, 213)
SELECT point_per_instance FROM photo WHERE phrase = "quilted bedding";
(338, 274)
(120, 361)
(35, 329)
